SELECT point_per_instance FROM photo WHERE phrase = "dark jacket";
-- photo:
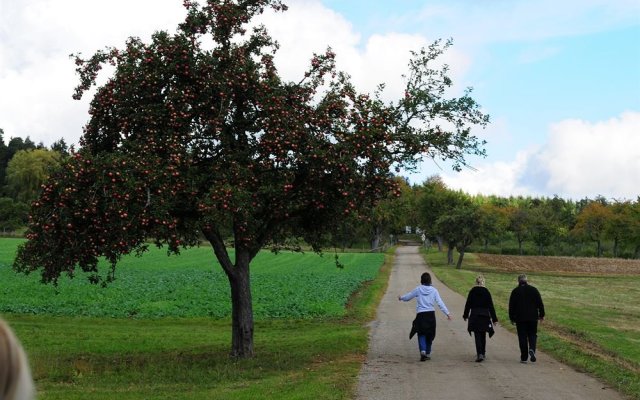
(424, 324)
(525, 304)
(480, 311)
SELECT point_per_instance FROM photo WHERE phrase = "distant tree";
(447, 225)
(13, 214)
(15, 144)
(390, 215)
(543, 227)
(519, 224)
(431, 205)
(620, 224)
(564, 211)
(3, 157)
(61, 147)
(635, 227)
(494, 221)
(189, 139)
(460, 226)
(28, 170)
(592, 223)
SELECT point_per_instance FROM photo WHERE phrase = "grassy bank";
(592, 323)
(98, 357)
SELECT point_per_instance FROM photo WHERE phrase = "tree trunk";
(615, 248)
(241, 302)
(375, 240)
(439, 240)
(598, 248)
(450, 254)
(520, 246)
(460, 257)
(241, 308)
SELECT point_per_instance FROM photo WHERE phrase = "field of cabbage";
(285, 285)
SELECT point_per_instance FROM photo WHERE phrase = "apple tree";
(195, 135)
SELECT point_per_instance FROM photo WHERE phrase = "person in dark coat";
(427, 297)
(481, 314)
(525, 310)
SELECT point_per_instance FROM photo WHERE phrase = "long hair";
(15, 376)
(425, 279)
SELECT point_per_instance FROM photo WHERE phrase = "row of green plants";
(591, 322)
(192, 284)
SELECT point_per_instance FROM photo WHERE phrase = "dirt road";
(393, 370)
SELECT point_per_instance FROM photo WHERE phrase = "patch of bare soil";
(577, 265)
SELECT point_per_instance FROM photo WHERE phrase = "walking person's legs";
(425, 347)
(429, 345)
(523, 337)
(422, 343)
(481, 343)
(532, 337)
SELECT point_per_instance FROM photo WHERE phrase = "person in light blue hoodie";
(425, 323)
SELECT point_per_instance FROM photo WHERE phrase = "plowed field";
(577, 265)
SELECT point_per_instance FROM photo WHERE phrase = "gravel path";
(393, 370)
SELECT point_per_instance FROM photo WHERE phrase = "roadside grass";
(592, 322)
(166, 358)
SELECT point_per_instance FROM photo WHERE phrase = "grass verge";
(187, 358)
(591, 323)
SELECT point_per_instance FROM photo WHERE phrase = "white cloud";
(309, 27)
(587, 159)
(580, 159)
(37, 77)
(499, 178)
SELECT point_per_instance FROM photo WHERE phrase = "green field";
(161, 330)
(592, 322)
(285, 285)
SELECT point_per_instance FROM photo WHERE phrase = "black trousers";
(527, 336)
(481, 341)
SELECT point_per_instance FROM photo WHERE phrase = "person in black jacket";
(481, 314)
(525, 309)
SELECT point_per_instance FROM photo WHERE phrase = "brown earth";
(572, 265)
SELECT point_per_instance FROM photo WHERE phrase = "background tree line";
(24, 167)
(526, 225)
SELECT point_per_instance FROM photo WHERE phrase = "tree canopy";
(196, 135)
(28, 170)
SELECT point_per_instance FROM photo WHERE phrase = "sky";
(559, 78)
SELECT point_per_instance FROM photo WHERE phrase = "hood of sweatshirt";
(426, 290)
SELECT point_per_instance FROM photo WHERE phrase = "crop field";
(163, 327)
(577, 265)
(285, 285)
(593, 308)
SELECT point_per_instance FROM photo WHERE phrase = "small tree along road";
(195, 134)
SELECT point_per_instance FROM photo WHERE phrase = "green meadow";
(162, 329)
(592, 321)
